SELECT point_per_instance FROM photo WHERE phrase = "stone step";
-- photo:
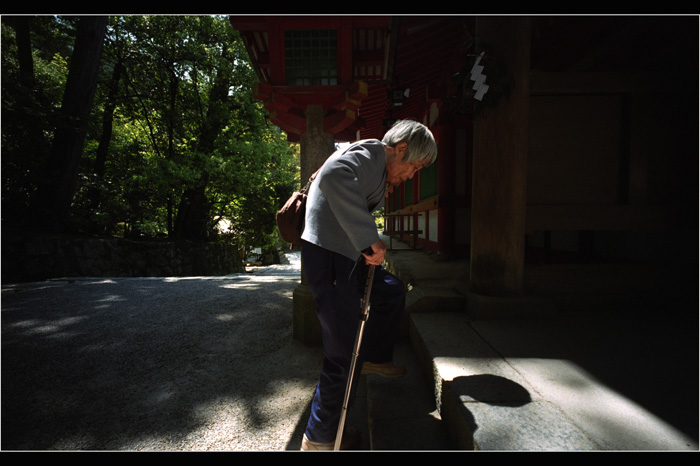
(484, 403)
(401, 412)
(428, 299)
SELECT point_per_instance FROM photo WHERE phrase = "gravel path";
(156, 364)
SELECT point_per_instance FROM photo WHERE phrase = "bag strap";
(308, 183)
(313, 176)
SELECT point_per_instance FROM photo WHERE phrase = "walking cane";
(364, 315)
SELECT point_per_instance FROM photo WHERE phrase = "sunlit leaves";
(184, 117)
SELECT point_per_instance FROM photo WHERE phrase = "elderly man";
(338, 234)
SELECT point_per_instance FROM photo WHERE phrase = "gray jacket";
(349, 187)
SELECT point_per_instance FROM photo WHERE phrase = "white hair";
(420, 141)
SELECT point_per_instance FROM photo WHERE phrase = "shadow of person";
(490, 389)
(483, 388)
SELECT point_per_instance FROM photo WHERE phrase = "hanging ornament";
(476, 74)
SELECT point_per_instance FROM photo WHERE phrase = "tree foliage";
(176, 144)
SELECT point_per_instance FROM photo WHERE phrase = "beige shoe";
(351, 438)
(387, 369)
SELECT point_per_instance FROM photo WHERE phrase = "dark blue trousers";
(337, 284)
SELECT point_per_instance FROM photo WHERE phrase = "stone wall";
(39, 257)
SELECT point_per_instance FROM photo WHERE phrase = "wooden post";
(316, 146)
(500, 162)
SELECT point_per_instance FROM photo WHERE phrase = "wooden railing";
(390, 232)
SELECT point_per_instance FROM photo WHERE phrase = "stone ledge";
(39, 257)
(485, 403)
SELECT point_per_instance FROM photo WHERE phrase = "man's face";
(399, 171)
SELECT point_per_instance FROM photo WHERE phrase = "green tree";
(35, 56)
(176, 142)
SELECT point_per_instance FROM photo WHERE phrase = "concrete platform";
(210, 364)
(497, 391)
(591, 364)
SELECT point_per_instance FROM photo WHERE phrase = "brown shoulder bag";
(290, 218)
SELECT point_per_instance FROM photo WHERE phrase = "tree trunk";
(106, 138)
(194, 216)
(62, 171)
(22, 26)
(174, 85)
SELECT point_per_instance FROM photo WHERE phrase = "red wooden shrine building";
(585, 139)
(366, 72)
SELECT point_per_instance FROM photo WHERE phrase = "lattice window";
(368, 54)
(310, 57)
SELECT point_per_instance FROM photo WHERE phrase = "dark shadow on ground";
(150, 364)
